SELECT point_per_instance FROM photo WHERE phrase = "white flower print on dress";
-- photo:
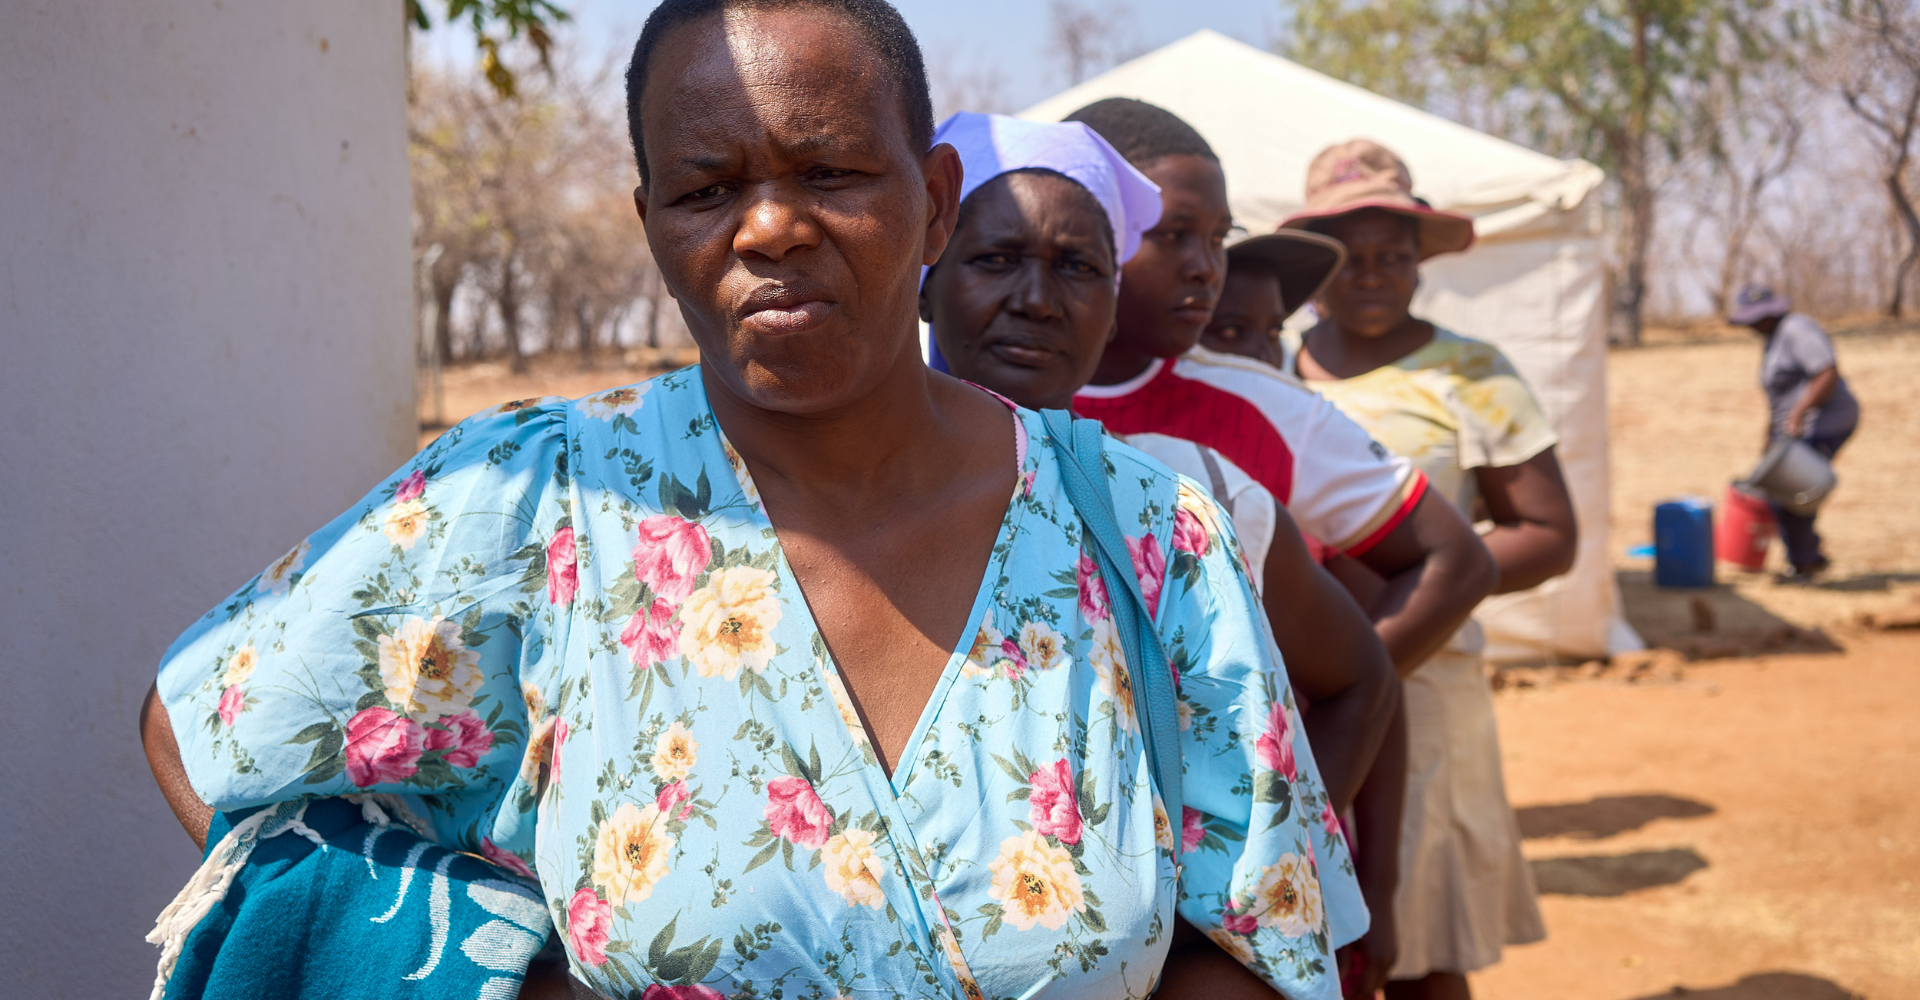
(427, 670)
(728, 624)
(275, 579)
(240, 666)
(1034, 883)
(621, 402)
(854, 869)
(1046, 649)
(1287, 897)
(1116, 681)
(405, 522)
(630, 854)
(674, 753)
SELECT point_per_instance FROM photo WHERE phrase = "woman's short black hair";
(1142, 132)
(885, 31)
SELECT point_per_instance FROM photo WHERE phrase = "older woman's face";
(1023, 301)
(787, 207)
(1370, 296)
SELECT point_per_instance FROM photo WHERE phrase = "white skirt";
(1465, 891)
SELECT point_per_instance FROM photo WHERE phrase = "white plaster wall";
(204, 354)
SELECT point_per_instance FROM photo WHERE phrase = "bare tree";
(1091, 38)
(1751, 151)
(1875, 66)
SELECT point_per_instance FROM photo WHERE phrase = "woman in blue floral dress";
(787, 675)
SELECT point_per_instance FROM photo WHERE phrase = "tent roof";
(1267, 117)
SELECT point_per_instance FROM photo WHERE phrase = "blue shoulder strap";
(1083, 473)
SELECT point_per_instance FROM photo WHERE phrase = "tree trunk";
(508, 298)
(443, 316)
(1636, 194)
(1903, 207)
(583, 322)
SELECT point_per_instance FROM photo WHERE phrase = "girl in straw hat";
(1458, 410)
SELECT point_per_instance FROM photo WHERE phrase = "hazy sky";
(988, 49)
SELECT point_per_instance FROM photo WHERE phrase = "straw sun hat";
(1361, 174)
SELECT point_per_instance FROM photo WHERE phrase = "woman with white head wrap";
(1023, 303)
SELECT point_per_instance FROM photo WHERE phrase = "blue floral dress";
(566, 635)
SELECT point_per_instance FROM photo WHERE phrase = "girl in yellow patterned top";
(1457, 409)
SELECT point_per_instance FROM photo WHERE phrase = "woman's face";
(1023, 300)
(1247, 320)
(787, 206)
(1370, 296)
(1169, 287)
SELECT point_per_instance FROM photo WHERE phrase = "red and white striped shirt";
(1342, 487)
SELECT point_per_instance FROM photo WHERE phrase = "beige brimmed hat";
(1304, 261)
(1361, 174)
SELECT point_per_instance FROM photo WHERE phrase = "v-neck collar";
(862, 739)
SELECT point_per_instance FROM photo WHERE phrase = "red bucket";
(1745, 525)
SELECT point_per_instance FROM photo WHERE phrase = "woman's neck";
(1118, 364)
(900, 440)
(1331, 352)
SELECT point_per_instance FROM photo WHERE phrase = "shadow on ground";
(1614, 874)
(1605, 816)
(1714, 622)
(1766, 986)
(1866, 582)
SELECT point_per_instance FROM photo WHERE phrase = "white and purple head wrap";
(991, 145)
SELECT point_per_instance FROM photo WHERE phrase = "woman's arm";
(163, 756)
(1334, 658)
(1534, 535)
(1819, 389)
(1197, 969)
(1377, 817)
(1436, 572)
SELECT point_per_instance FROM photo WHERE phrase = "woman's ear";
(926, 304)
(941, 167)
(1114, 330)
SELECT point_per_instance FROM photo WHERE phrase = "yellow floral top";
(1453, 406)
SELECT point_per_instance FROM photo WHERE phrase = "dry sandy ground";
(1749, 832)
(1732, 820)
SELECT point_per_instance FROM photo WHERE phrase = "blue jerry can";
(1683, 543)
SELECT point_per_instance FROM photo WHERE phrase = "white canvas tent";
(1532, 284)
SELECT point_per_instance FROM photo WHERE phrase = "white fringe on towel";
(208, 886)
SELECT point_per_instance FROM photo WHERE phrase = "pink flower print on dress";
(1189, 535)
(694, 991)
(1239, 923)
(1015, 660)
(411, 487)
(589, 919)
(382, 747)
(232, 701)
(563, 576)
(651, 635)
(1052, 806)
(465, 739)
(795, 812)
(1331, 821)
(1150, 565)
(1192, 830)
(559, 743)
(1093, 590)
(1275, 746)
(504, 858)
(670, 554)
(673, 795)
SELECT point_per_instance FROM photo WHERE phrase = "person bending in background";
(1022, 303)
(1806, 397)
(1457, 408)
